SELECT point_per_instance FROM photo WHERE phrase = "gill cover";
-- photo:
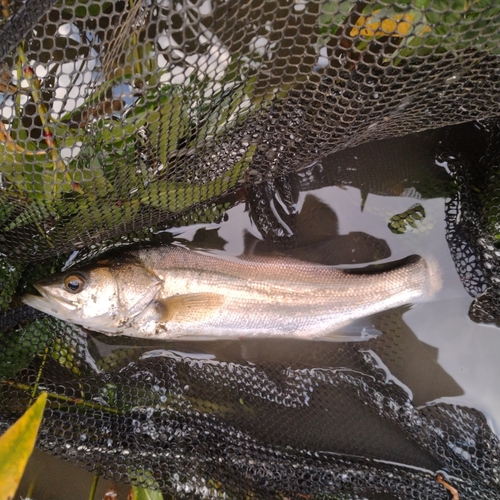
(136, 287)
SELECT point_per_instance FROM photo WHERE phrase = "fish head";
(103, 297)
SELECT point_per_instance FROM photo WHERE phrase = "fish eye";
(74, 283)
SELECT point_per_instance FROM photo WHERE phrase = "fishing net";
(203, 428)
(122, 118)
(472, 220)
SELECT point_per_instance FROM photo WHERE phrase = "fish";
(171, 292)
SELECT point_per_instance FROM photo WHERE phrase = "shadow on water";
(317, 234)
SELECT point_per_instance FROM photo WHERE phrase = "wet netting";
(472, 216)
(120, 119)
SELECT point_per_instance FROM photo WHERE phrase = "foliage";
(16, 446)
(145, 494)
(158, 148)
(408, 220)
(416, 27)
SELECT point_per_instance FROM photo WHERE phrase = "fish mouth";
(55, 306)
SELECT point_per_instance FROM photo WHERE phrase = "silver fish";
(172, 292)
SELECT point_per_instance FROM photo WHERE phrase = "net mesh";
(118, 115)
(194, 427)
(472, 219)
(121, 118)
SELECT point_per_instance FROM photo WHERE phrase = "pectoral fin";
(189, 307)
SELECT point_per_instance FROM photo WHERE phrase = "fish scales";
(264, 278)
(172, 292)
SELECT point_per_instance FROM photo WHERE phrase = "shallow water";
(436, 352)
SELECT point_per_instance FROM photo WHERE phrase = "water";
(433, 350)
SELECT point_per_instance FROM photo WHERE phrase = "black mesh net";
(198, 428)
(120, 119)
(472, 217)
(118, 115)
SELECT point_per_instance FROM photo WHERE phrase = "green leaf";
(16, 446)
(10, 272)
(138, 493)
(37, 211)
(167, 125)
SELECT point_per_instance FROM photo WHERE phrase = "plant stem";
(62, 397)
(93, 487)
(39, 376)
(43, 113)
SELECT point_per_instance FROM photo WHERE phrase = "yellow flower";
(398, 25)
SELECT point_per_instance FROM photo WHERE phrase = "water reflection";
(317, 234)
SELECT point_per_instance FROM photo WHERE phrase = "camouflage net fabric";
(121, 118)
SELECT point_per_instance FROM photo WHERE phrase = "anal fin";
(359, 330)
